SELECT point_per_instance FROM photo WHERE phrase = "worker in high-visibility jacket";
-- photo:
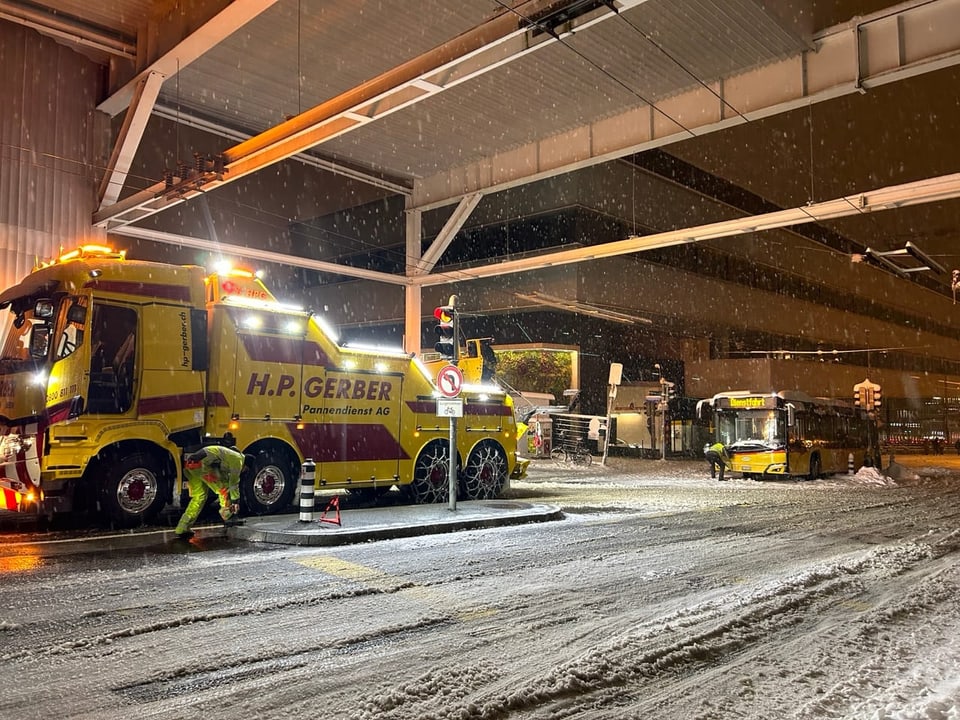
(215, 468)
(717, 456)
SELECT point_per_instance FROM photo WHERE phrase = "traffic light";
(867, 395)
(671, 390)
(446, 332)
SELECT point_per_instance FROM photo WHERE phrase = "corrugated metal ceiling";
(122, 17)
(592, 75)
(659, 48)
(251, 78)
(299, 53)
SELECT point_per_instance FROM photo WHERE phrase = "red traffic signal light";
(446, 335)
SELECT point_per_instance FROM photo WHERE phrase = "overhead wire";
(342, 242)
(666, 53)
(80, 168)
(562, 41)
(346, 243)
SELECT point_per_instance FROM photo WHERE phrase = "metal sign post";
(663, 443)
(450, 382)
(869, 396)
(663, 410)
(616, 376)
(452, 467)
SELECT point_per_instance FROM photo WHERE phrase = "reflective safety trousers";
(224, 481)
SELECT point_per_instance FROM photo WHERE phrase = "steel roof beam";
(128, 140)
(70, 31)
(244, 251)
(500, 40)
(925, 262)
(447, 233)
(946, 187)
(231, 18)
(341, 168)
(907, 40)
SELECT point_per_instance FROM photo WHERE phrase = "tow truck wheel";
(132, 491)
(485, 472)
(431, 479)
(270, 487)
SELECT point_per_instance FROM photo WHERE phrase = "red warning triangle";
(334, 504)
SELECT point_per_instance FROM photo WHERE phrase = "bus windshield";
(752, 429)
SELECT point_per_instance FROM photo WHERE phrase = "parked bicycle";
(575, 454)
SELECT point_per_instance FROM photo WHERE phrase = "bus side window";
(795, 438)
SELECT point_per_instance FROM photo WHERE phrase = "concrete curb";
(365, 526)
(357, 525)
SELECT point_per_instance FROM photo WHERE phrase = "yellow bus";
(790, 434)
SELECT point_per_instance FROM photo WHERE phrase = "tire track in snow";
(917, 688)
(272, 605)
(191, 678)
(690, 637)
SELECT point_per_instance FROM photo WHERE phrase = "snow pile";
(898, 472)
(872, 476)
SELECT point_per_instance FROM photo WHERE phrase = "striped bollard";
(308, 482)
(850, 464)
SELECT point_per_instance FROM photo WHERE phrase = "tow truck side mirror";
(43, 309)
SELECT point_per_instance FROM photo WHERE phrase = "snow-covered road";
(661, 595)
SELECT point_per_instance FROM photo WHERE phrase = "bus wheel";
(485, 471)
(814, 467)
(132, 491)
(270, 487)
(431, 479)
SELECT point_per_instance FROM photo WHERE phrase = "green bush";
(536, 371)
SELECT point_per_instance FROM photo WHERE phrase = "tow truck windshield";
(40, 331)
(18, 333)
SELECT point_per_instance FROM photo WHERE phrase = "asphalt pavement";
(349, 526)
(352, 525)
